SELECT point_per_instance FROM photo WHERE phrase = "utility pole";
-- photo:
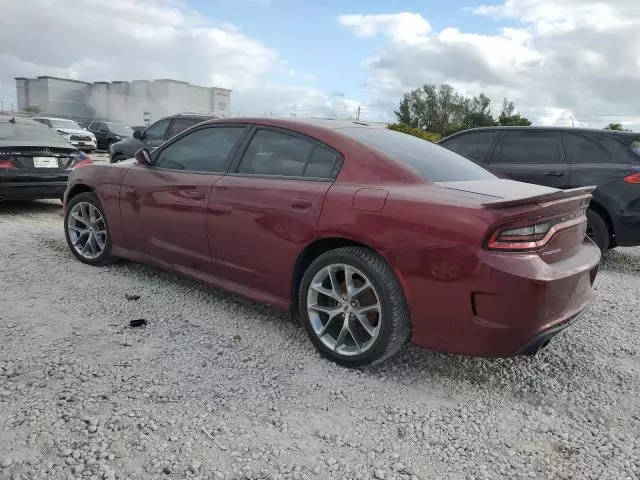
(358, 113)
(572, 122)
(1, 106)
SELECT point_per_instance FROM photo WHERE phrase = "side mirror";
(143, 157)
(137, 134)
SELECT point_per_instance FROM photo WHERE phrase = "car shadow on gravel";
(27, 208)
(624, 260)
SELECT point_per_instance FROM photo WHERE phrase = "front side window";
(157, 130)
(64, 124)
(473, 145)
(205, 150)
(276, 153)
(580, 149)
(432, 162)
(530, 146)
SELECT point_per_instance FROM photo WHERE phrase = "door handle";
(554, 174)
(193, 195)
(300, 204)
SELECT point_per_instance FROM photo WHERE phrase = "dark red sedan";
(376, 237)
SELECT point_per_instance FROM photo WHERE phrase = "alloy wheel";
(344, 309)
(87, 230)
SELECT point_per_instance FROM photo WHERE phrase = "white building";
(127, 102)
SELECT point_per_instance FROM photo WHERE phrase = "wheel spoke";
(364, 322)
(342, 335)
(78, 218)
(348, 281)
(80, 236)
(324, 291)
(368, 309)
(358, 291)
(335, 286)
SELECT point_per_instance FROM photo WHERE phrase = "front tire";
(597, 230)
(353, 307)
(118, 157)
(86, 230)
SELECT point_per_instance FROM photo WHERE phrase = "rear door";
(266, 209)
(532, 156)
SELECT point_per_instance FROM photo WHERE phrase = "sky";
(558, 60)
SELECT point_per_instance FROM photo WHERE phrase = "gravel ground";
(218, 388)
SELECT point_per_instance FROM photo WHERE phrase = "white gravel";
(217, 388)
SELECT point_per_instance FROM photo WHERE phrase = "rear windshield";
(30, 132)
(430, 161)
(635, 146)
(68, 124)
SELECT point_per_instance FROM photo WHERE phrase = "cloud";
(402, 27)
(93, 40)
(555, 59)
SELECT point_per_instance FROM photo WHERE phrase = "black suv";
(155, 134)
(107, 133)
(567, 158)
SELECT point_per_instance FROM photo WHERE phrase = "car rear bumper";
(498, 304)
(30, 186)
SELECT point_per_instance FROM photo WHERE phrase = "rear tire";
(597, 230)
(353, 289)
(86, 230)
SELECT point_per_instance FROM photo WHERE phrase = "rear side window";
(30, 132)
(276, 153)
(579, 149)
(473, 145)
(430, 161)
(529, 146)
(181, 124)
(157, 130)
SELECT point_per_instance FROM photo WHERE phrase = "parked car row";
(154, 135)
(35, 161)
(568, 158)
(375, 237)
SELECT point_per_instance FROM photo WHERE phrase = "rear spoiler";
(545, 198)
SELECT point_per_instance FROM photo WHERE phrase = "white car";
(73, 133)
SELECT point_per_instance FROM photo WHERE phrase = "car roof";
(57, 118)
(324, 123)
(20, 120)
(549, 129)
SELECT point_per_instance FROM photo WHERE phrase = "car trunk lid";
(39, 158)
(532, 218)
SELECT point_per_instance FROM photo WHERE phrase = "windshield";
(64, 124)
(430, 161)
(120, 129)
(29, 132)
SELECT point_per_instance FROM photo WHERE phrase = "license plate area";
(45, 162)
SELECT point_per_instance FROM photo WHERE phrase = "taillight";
(633, 178)
(7, 165)
(533, 236)
(83, 160)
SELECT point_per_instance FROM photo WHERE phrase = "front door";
(164, 206)
(532, 156)
(263, 213)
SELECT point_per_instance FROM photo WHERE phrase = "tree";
(508, 117)
(616, 126)
(32, 110)
(416, 132)
(442, 110)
